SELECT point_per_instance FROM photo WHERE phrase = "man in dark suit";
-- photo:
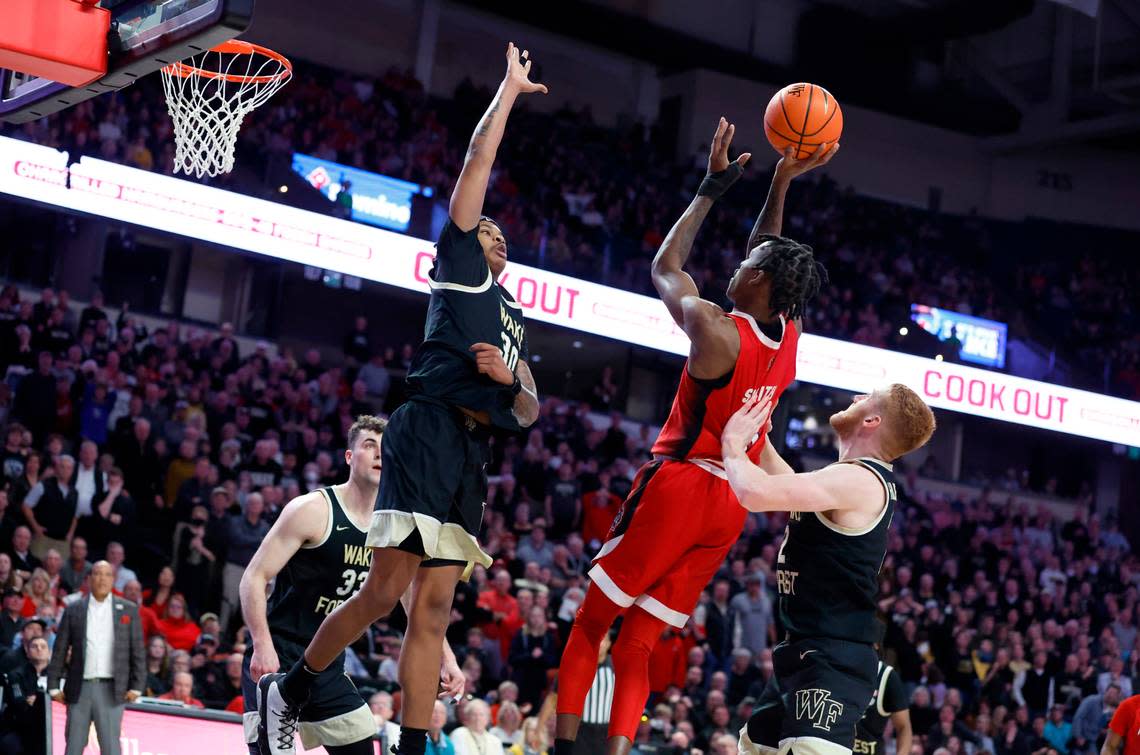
(100, 653)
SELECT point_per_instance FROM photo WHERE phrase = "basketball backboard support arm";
(144, 36)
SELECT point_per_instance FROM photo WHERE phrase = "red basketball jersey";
(701, 408)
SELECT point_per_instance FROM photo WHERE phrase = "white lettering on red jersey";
(701, 408)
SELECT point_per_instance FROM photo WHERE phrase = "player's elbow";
(252, 580)
(752, 497)
(479, 156)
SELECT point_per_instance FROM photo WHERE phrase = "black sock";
(298, 681)
(412, 741)
(563, 747)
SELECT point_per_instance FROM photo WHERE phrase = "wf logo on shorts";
(817, 706)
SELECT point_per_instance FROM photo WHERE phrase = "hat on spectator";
(209, 615)
(220, 490)
(10, 592)
(754, 577)
(207, 638)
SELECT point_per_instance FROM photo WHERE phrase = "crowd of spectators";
(595, 202)
(169, 452)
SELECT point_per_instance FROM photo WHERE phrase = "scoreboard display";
(980, 341)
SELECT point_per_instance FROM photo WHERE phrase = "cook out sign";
(42, 174)
(970, 390)
(579, 304)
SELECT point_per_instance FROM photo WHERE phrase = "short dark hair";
(366, 423)
(796, 276)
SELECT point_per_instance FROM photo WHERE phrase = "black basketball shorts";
(433, 484)
(336, 714)
(818, 692)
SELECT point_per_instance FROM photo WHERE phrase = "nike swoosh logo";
(338, 529)
(805, 653)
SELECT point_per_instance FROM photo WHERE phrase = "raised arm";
(771, 218)
(467, 199)
(673, 284)
(699, 318)
(302, 520)
(836, 488)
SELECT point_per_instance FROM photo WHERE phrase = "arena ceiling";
(1022, 73)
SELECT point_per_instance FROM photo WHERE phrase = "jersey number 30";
(510, 353)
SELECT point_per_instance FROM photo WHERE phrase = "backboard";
(145, 35)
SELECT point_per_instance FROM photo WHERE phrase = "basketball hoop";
(210, 94)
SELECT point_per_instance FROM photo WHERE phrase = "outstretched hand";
(718, 152)
(789, 166)
(518, 71)
(743, 427)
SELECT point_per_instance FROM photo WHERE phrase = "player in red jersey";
(681, 518)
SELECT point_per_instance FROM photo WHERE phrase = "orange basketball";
(803, 116)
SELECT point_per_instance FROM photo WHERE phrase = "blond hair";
(909, 421)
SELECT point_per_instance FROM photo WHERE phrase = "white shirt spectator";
(98, 654)
(85, 488)
(1053, 580)
(468, 743)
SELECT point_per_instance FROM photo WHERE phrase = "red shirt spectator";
(133, 592)
(599, 509)
(504, 609)
(667, 662)
(183, 691)
(158, 597)
(179, 631)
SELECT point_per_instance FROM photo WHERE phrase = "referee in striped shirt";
(596, 713)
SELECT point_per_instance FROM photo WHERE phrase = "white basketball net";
(208, 97)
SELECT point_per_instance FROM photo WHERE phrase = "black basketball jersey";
(467, 307)
(827, 575)
(889, 697)
(319, 577)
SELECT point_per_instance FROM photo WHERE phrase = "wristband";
(516, 387)
(716, 184)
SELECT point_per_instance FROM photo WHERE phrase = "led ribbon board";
(169, 204)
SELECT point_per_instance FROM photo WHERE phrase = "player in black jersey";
(316, 557)
(827, 567)
(468, 380)
(889, 704)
